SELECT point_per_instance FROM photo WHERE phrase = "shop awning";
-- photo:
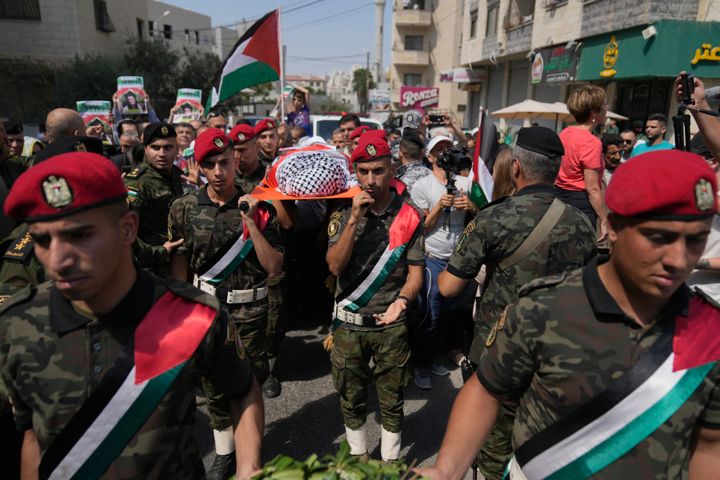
(677, 46)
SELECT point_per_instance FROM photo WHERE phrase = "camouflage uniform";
(276, 285)
(495, 233)
(387, 345)
(53, 357)
(19, 267)
(10, 169)
(150, 193)
(564, 342)
(410, 173)
(207, 227)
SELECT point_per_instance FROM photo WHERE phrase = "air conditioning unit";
(649, 32)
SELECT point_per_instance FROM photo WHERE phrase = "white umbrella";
(533, 109)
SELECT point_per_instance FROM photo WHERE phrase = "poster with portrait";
(131, 96)
(188, 105)
(96, 116)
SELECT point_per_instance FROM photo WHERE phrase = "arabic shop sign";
(708, 53)
(462, 75)
(554, 65)
(678, 45)
(419, 97)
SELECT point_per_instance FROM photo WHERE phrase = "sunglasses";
(628, 142)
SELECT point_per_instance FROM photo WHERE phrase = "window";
(187, 36)
(151, 28)
(167, 32)
(140, 27)
(414, 42)
(413, 4)
(492, 19)
(20, 9)
(473, 23)
(412, 79)
(102, 17)
(197, 37)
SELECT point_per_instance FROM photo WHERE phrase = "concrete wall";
(180, 20)
(602, 16)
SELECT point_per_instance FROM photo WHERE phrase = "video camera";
(454, 160)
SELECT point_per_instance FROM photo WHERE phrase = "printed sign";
(419, 97)
(188, 105)
(462, 75)
(131, 96)
(536, 71)
(380, 100)
(554, 65)
(96, 116)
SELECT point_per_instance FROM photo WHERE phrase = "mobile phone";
(436, 119)
(688, 87)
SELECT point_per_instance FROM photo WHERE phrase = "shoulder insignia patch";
(134, 173)
(132, 194)
(499, 325)
(462, 241)
(334, 224)
(21, 249)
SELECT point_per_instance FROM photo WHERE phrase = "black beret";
(13, 127)
(413, 136)
(158, 131)
(540, 140)
(70, 144)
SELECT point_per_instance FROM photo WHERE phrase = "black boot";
(271, 388)
(223, 467)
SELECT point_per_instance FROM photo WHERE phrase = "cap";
(13, 127)
(265, 124)
(371, 147)
(412, 136)
(70, 144)
(64, 185)
(540, 140)
(212, 141)
(358, 131)
(158, 131)
(663, 185)
(242, 133)
(439, 139)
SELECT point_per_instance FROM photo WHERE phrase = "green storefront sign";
(677, 46)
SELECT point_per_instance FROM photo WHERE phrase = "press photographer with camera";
(443, 197)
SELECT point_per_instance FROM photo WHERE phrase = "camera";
(688, 87)
(436, 120)
(454, 160)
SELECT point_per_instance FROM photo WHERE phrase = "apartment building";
(539, 49)
(426, 38)
(317, 84)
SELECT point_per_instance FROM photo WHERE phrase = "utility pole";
(367, 80)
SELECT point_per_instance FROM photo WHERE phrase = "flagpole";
(282, 66)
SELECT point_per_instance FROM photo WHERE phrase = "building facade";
(426, 38)
(317, 84)
(541, 49)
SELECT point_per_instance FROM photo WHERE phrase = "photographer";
(443, 198)
(709, 125)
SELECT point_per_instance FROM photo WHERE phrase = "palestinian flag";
(486, 149)
(254, 59)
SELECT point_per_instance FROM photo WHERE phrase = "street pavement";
(305, 418)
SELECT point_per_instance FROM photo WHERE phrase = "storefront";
(639, 65)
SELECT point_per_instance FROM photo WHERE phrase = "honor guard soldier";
(615, 365)
(102, 362)
(376, 253)
(151, 188)
(519, 238)
(268, 141)
(231, 246)
(250, 172)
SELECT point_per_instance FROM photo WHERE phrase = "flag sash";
(130, 390)
(226, 260)
(401, 232)
(613, 423)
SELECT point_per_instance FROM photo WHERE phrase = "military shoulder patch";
(462, 241)
(499, 325)
(20, 250)
(132, 194)
(334, 224)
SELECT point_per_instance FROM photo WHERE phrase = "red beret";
(212, 141)
(663, 185)
(265, 124)
(63, 185)
(242, 133)
(358, 131)
(371, 147)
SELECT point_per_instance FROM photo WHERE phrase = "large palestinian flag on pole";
(486, 149)
(254, 59)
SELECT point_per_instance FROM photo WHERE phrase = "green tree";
(362, 82)
(157, 63)
(87, 77)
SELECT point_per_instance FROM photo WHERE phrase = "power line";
(329, 17)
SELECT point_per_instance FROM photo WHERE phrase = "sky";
(321, 35)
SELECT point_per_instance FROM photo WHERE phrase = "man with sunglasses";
(629, 139)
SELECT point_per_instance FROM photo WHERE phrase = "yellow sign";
(708, 53)
(610, 56)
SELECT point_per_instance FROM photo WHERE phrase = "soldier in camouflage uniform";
(370, 311)
(576, 343)
(210, 221)
(69, 348)
(498, 231)
(151, 189)
(250, 173)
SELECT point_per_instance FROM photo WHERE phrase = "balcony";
(412, 18)
(410, 57)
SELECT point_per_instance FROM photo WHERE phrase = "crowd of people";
(580, 301)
